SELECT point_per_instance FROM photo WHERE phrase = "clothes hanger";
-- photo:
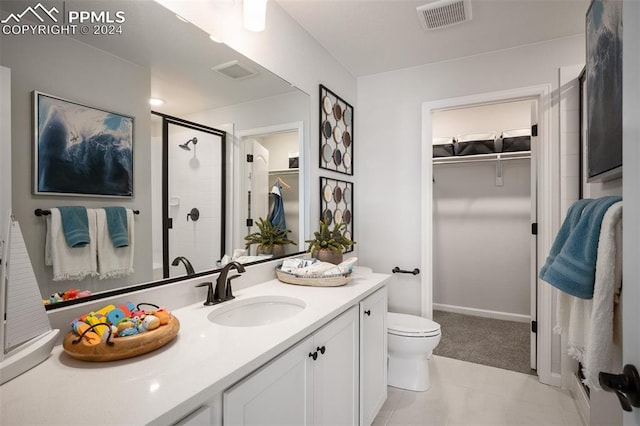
(282, 182)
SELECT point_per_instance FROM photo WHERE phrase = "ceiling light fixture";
(254, 14)
(156, 101)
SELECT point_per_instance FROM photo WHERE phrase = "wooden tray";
(123, 347)
(332, 281)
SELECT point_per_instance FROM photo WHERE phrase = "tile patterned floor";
(463, 393)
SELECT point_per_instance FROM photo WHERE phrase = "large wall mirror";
(189, 154)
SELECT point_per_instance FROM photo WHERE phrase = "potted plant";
(270, 239)
(329, 244)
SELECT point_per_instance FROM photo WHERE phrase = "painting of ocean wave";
(604, 87)
(81, 150)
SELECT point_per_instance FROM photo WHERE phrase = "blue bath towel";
(573, 270)
(75, 225)
(117, 226)
(277, 216)
(571, 220)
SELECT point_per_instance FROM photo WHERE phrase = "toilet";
(411, 340)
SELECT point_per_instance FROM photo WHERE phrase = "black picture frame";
(604, 90)
(336, 133)
(80, 150)
(336, 204)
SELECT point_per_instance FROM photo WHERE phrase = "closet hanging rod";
(41, 212)
(485, 158)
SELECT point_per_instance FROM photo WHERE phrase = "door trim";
(547, 165)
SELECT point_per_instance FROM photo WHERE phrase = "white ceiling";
(373, 36)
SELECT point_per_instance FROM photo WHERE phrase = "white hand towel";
(69, 263)
(599, 351)
(114, 262)
(573, 319)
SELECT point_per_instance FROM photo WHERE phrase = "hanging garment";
(276, 217)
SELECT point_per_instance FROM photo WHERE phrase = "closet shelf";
(479, 158)
(283, 171)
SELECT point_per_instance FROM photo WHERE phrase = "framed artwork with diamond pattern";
(336, 204)
(336, 133)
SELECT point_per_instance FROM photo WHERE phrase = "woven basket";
(330, 281)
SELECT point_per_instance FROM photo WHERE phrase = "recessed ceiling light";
(156, 101)
(182, 19)
(215, 38)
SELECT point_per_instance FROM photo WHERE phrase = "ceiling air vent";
(235, 70)
(444, 13)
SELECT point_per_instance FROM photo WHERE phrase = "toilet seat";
(411, 325)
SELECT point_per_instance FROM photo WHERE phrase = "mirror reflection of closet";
(273, 159)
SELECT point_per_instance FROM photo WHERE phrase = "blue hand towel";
(570, 221)
(117, 225)
(573, 270)
(75, 225)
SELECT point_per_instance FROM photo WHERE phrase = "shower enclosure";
(193, 174)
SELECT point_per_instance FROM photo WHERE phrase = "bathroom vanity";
(322, 363)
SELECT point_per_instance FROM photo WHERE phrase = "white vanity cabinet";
(315, 382)
(373, 355)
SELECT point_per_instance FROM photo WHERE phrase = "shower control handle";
(194, 214)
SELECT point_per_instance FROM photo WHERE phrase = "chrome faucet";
(223, 285)
(185, 262)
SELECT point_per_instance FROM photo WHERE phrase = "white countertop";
(202, 361)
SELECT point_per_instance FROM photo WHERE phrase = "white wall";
(484, 119)
(64, 67)
(388, 145)
(5, 152)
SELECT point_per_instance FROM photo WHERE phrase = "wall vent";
(444, 13)
(235, 70)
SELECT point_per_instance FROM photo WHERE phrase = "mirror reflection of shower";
(185, 145)
(189, 192)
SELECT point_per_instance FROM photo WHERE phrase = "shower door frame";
(166, 220)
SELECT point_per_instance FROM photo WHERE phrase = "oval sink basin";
(257, 311)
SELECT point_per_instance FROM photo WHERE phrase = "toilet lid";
(411, 325)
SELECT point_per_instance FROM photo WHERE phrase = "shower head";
(185, 145)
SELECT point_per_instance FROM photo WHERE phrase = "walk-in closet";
(482, 242)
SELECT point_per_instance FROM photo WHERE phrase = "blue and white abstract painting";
(81, 150)
(604, 86)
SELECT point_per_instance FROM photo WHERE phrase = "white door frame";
(548, 174)
(239, 155)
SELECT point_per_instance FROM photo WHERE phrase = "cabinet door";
(280, 393)
(336, 372)
(373, 355)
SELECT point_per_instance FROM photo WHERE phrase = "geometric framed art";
(336, 204)
(336, 133)
(80, 150)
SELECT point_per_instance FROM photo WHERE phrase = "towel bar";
(41, 212)
(397, 270)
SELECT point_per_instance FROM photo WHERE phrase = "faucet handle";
(228, 294)
(210, 299)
